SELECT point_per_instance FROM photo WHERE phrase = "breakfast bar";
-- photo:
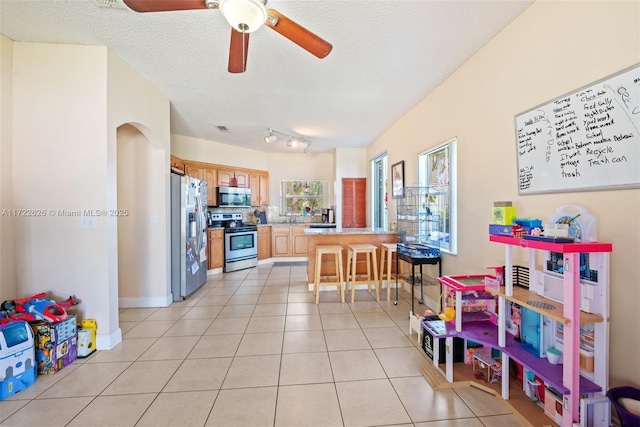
(342, 237)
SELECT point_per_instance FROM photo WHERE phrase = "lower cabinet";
(280, 237)
(298, 241)
(264, 242)
(289, 241)
(216, 248)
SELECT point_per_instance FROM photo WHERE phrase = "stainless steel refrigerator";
(188, 235)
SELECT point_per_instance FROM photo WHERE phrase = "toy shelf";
(465, 283)
(566, 378)
(564, 248)
(481, 296)
(538, 303)
(486, 333)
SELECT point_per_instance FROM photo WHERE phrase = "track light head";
(292, 143)
(271, 138)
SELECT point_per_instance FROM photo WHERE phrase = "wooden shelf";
(531, 300)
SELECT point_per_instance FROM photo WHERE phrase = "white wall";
(138, 234)
(7, 223)
(550, 49)
(133, 100)
(68, 103)
(59, 148)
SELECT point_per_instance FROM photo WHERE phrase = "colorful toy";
(56, 344)
(36, 307)
(18, 368)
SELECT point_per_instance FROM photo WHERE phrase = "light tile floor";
(251, 348)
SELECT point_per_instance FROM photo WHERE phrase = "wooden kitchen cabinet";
(216, 248)
(264, 242)
(208, 174)
(225, 176)
(263, 185)
(193, 170)
(259, 185)
(289, 241)
(211, 178)
(354, 202)
(177, 164)
(280, 241)
(220, 175)
(298, 241)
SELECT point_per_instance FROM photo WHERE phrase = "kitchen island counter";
(343, 237)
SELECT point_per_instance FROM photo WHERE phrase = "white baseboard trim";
(140, 302)
(107, 342)
(214, 271)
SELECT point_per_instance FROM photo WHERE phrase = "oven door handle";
(244, 258)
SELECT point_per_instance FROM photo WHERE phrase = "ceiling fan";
(244, 16)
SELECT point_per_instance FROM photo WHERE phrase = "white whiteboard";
(585, 140)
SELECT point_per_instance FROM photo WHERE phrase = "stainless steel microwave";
(233, 197)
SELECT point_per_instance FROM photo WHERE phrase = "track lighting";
(292, 141)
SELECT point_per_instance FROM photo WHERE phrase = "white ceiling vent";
(110, 4)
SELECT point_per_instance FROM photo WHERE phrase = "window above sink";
(299, 197)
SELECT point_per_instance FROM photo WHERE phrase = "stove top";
(231, 222)
(226, 217)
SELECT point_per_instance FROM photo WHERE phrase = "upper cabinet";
(177, 164)
(264, 189)
(226, 176)
(259, 185)
(222, 175)
(211, 178)
(205, 173)
(194, 171)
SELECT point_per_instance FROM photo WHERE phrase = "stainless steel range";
(240, 241)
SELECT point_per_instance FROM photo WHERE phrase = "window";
(303, 197)
(379, 191)
(436, 169)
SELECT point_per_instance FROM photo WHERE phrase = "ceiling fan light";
(244, 16)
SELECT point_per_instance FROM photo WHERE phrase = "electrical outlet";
(87, 222)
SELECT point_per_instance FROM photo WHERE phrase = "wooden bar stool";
(336, 251)
(370, 254)
(386, 258)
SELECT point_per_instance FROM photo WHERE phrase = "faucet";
(291, 217)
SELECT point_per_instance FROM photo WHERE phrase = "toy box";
(503, 213)
(56, 344)
(18, 369)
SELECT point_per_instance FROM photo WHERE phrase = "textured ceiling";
(387, 56)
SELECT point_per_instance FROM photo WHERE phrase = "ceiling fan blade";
(297, 34)
(238, 51)
(164, 5)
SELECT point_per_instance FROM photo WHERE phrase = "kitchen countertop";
(368, 230)
(287, 224)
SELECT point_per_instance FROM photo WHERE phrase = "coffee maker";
(327, 216)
